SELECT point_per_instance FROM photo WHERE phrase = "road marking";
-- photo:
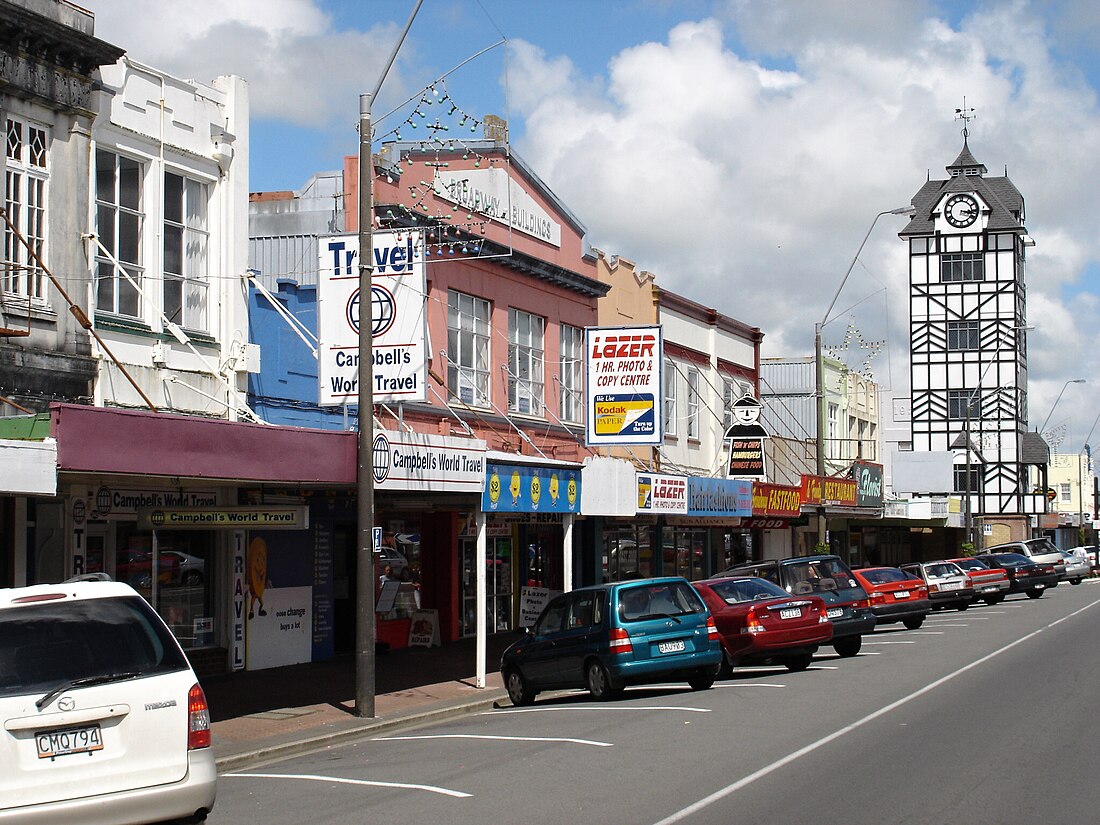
(707, 801)
(932, 632)
(749, 684)
(590, 707)
(823, 667)
(941, 624)
(498, 738)
(342, 781)
(884, 642)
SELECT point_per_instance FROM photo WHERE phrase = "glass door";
(498, 586)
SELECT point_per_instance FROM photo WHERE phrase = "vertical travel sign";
(623, 385)
(398, 318)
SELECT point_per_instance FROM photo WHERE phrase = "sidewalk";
(259, 716)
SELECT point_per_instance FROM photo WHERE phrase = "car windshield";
(942, 569)
(1041, 545)
(658, 600)
(885, 575)
(51, 644)
(747, 590)
(817, 576)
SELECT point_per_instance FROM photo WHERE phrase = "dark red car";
(896, 596)
(761, 623)
(990, 584)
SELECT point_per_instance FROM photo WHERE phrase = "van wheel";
(519, 691)
(1034, 594)
(703, 678)
(599, 682)
(848, 646)
(913, 624)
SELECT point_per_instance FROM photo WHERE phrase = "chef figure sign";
(746, 440)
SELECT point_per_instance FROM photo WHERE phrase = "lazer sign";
(623, 371)
(399, 351)
(662, 494)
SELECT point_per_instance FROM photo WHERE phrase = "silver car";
(948, 584)
(1077, 568)
(103, 720)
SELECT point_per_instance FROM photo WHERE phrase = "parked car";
(1040, 550)
(608, 636)
(896, 596)
(761, 623)
(1076, 569)
(990, 583)
(827, 576)
(135, 567)
(190, 569)
(103, 718)
(1086, 551)
(948, 584)
(1024, 575)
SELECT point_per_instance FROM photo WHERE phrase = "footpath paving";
(264, 715)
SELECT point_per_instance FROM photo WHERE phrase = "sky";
(738, 149)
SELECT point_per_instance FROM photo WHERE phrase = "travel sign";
(424, 463)
(398, 318)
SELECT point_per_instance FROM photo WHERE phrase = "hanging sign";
(398, 336)
(623, 385)
(719, 497)
(518, 488)
(662, 493)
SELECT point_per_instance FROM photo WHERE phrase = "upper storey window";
(26, 177)
(962, 266)
(119, 219)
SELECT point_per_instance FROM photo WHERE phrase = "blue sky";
(738, 149)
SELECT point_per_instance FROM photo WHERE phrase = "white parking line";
(884, 642)
(342, 781)
(749, 684)
(498, 738)
(931, 632)
(591, 707)
(722, 793)
(941, 624)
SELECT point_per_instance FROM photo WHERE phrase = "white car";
(1077, 567)
(103, 720)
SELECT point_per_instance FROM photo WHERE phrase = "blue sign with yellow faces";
(516, 488)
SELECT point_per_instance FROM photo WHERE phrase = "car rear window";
(1009, 558)
(657, 601)
(941, 570)
(885, 575)
(45, 644)
(817, 576)
(747, 590)
(972, 564)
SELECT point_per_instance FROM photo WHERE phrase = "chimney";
(496, 129)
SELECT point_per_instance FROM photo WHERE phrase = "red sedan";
(895, 595)
(761, 623)
(990, 583)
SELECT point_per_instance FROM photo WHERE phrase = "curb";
(367, 727)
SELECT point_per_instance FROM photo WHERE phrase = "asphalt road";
(979, 716)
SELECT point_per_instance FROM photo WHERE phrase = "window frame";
(571, 374)
(694, 402)
(469, 353)
(113, 240)
(963, 336)
(526, 362)
(668, 398)
(959, 267)
(192, 229)
(27, 167)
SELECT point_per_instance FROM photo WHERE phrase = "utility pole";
(365, 579)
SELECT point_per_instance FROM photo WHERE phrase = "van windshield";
(662, 600)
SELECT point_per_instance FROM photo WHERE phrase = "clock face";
(960, 210)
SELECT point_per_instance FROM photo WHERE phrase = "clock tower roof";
(965, 164)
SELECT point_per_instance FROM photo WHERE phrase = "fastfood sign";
(398, 338)
(623, 369)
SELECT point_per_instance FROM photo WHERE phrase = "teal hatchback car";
(608, 636)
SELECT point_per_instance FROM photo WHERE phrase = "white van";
(1040, 550)
(103, 719)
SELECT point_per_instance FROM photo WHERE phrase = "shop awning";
(28, 467)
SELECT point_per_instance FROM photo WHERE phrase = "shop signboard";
(424, 629)
(623, 385)
(398, 318)
(522, 488)
(532, 600)
(837, 491)
(659, 493)
(425, 463)
(775, 500)
(746, 440)
(494, 193)
(115, 502)
(723, 497)
(267, 517)
(868, 478)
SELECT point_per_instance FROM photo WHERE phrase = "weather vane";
(965, 115)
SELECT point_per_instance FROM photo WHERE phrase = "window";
(25, 179)
(962, 266)
(119, 220)
(832, 449)
(729, 390)
(1064, 494)
(957, 401)
(975, 478)
(962, 335)
(526, 376)
(186, 239)
(468, 348)
(693, 404)
(572, 373)
(669, 382)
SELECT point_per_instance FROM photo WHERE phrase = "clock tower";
(968, 339)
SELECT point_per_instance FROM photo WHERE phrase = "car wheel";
(599, 682)
(848, 646)
(961, 606)
(192, 577)
(725, 669)
(799, 663)
(1075, 581)
(992, 600)
(519, 691)
(703, 678)
(913, 624)
(1034, 594)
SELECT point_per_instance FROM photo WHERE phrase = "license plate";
(54, 743)
(950, 586)
(670, 647)
(790, 613)
(835, 612)
(1040, 586)
(902, 594)
(989, 588)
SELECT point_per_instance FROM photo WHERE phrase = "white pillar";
(481, 562)
(567, 553)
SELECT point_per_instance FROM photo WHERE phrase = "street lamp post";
(819, 361)
(1080, 485)
(365, 579)
(1059, 398)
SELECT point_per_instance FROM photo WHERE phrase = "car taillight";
(198, 719)
(822, 614)
(620, 641)
(752, 622)
(933, 588)
(712, 628)
(878, 597)
(858, 603)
